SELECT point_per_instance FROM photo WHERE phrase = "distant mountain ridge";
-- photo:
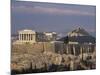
(78, 35)
(78, 32)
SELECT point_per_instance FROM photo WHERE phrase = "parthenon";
(26, 36)
(30, 36)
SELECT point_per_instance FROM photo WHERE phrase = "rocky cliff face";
(26, 60)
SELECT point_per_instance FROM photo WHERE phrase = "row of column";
(80, 49)
(26, 37)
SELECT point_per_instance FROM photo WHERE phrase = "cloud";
(51, 10)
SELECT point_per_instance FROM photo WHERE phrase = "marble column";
(22, 36)
(31, 37)
(81, 52)
(19, 36)
(74, 49)
(67, 49)
(26, 36)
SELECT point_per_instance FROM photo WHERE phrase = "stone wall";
(60, 48)
(48, 57)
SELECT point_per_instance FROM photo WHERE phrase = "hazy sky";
(52, 17)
